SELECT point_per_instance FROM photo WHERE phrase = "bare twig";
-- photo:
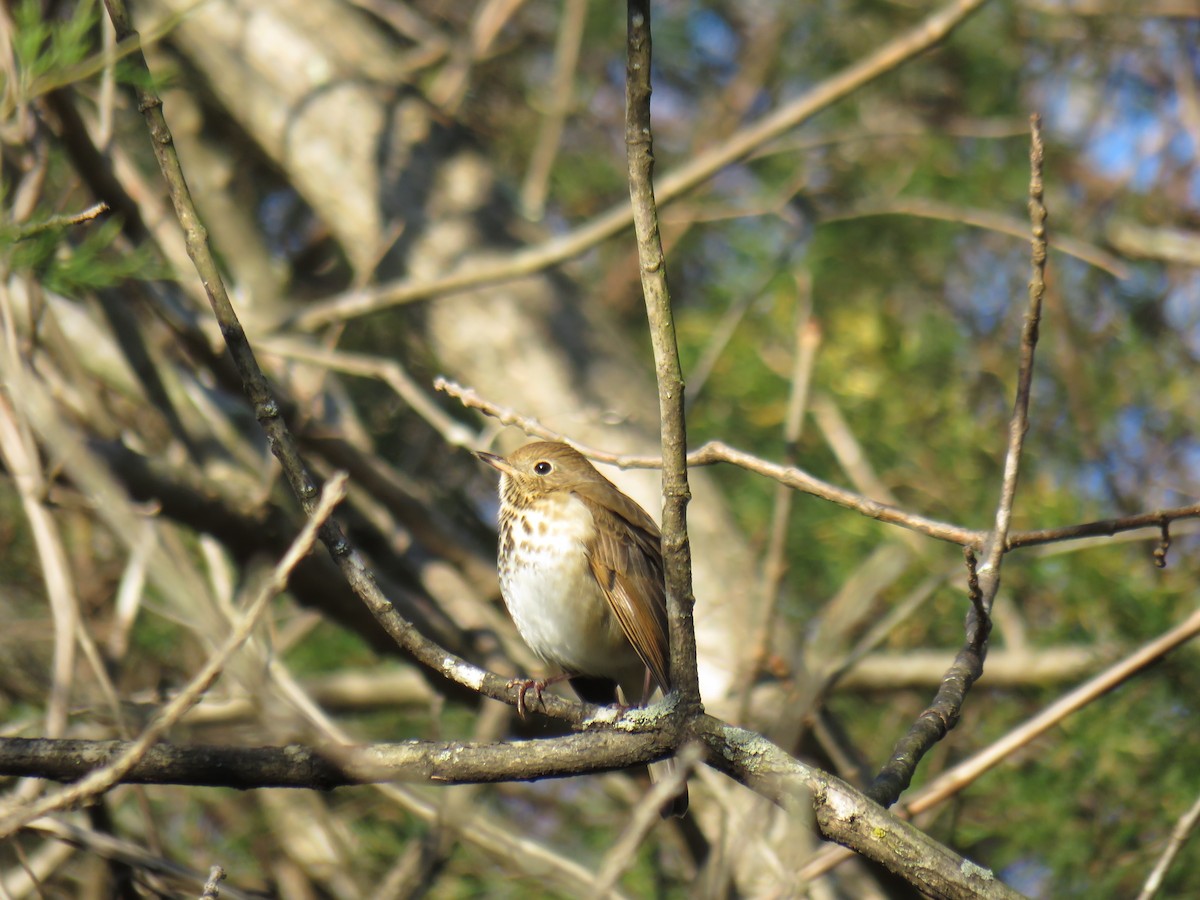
(988, 220)
(719, 452)
(645, 815)
(549, 137)
(722, 333)
(942, 715)
(57, 223)
(1179, 836)
(807, 339)
(1104, 527)
(677, 559)
(389, 371)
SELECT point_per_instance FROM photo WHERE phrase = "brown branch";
(719, 452)
(59, 223)
(1179, 836)
(843, 814)
(676, 549)
(986, 219)
(324, 768)
(942, 714)
(1103, 527)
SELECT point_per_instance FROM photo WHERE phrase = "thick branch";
(845, 815)
(324, 768)
(841, 813)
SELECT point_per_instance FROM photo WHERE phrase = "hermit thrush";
(581, 572)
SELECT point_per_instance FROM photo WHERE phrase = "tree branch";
(983, 583)
(715, 452)
(331, 766)
(841, 813)
(677, 554)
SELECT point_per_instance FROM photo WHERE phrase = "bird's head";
(540, 468)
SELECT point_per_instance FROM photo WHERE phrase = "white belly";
(555, 601)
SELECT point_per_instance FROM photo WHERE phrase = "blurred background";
(849, 297)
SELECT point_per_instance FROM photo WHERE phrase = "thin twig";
(644, 816)
(774, 566)
(389, 371)
(545, 148)
(942, 714)
(1179, 836)
(23, 462)
(1019, 426)
(719, 452)
(677, 560)
(58, 223)
(985, 219)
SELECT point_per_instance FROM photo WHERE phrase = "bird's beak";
(496, 462)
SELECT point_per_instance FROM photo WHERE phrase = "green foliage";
(45, 49)
(53, 52)
(328, 649)
(74, 268)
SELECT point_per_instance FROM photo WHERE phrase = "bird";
(581, 573)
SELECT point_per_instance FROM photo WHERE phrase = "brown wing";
(626, 558)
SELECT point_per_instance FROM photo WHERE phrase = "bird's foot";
(537, 685)
(524, 685)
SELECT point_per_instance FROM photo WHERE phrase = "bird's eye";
(543, 468)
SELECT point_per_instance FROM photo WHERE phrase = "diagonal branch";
(679, 181)
(956, 779)
(984, 582)
(267, 411)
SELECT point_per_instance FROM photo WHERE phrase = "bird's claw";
(525, 684)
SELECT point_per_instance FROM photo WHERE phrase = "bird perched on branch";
(581, 572)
